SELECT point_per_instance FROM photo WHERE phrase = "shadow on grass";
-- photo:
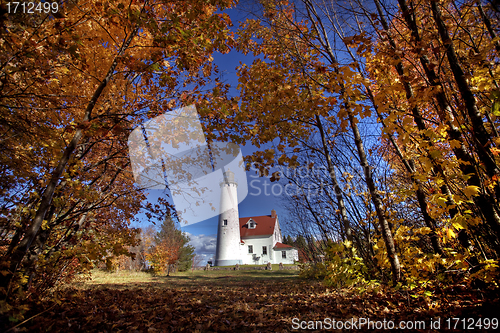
(225, 278)
(191, 279)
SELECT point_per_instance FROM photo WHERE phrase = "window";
(250, 248)
(224, 222)
(283, 254)
(264, 250)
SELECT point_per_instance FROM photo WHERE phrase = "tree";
(68, 194)
(288, 240)
(186, 256)
(326, 71)
(170, 249)
(474, 163)
(309, 87)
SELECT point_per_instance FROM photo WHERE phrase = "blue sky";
(263, 195)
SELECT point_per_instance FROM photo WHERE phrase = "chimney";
(273, 214)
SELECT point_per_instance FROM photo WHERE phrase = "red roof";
(279, 245)
(265, 226)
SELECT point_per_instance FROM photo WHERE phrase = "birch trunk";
(376, 200)
(385, 227)
(338, 192)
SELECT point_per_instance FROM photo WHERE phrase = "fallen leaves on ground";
(221, 304)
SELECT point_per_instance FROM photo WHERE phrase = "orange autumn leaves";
(426, 73)
(73, 86)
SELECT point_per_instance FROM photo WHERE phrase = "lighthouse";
(228, 233)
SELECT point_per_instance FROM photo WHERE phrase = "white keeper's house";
(251, 240)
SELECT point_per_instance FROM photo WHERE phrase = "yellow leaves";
(53, 83)
(45, 225)
(342, 114)
(489, 272)
(407, 121)
(426, 164)
(434, 153)
(495, 151)
(471, 191)
(454, 144)
(459, 222)
(423, 231)
(63, 70)
(482, 80)
(450, 234)
(347, 73)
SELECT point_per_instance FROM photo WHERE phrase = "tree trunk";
(377, 202)
(19, 252)
(409, 164)
(488, 25)
(338, 191)
(481, 136)
(485, 202)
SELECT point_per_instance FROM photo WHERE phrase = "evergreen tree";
(300, 242)
(171, 248)
(186, 254)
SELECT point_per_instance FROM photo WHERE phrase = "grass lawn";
(236, 301)
(275, 266)
(126, 279)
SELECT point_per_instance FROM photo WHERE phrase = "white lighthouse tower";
(228, 233)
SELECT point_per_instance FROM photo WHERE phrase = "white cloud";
(204, 244)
